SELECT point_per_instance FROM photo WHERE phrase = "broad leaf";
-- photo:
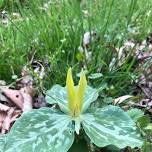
(2, 142)
(111, 126)
(58, 95)
(135, 114)
(90, 96)
(43, 130)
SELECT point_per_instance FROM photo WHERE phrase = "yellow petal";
(70, 89)
(81, 90)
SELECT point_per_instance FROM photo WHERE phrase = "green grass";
(43, 31)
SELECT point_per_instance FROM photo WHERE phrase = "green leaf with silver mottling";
(135, 114)
(2, 142)
(42, 130)
(111, 126)
(58, 95)
(91, 95)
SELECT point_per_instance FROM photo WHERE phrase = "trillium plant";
(53, 130)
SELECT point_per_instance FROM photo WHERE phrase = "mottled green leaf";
(135, 114)
(2, 142)
(58, 95)
(43, 130)
(90, 96)
(111, 126)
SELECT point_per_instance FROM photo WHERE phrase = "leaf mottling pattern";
(111, 126)
(58, 95)
(41, 131)
(2, 142)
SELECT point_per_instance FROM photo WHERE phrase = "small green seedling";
(53, 130)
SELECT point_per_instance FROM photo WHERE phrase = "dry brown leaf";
(26, 80)
(121, 99)
(87, 38)
(28, 101)
(145, 103)
(16, 114)
(7, 118)
(3, 98)
(22, 98)
(145, 85)
(7, 121)
(3, 115)
(38, 68)
(4, 107)
(15, 96)
(40, 101)
(124, 51)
